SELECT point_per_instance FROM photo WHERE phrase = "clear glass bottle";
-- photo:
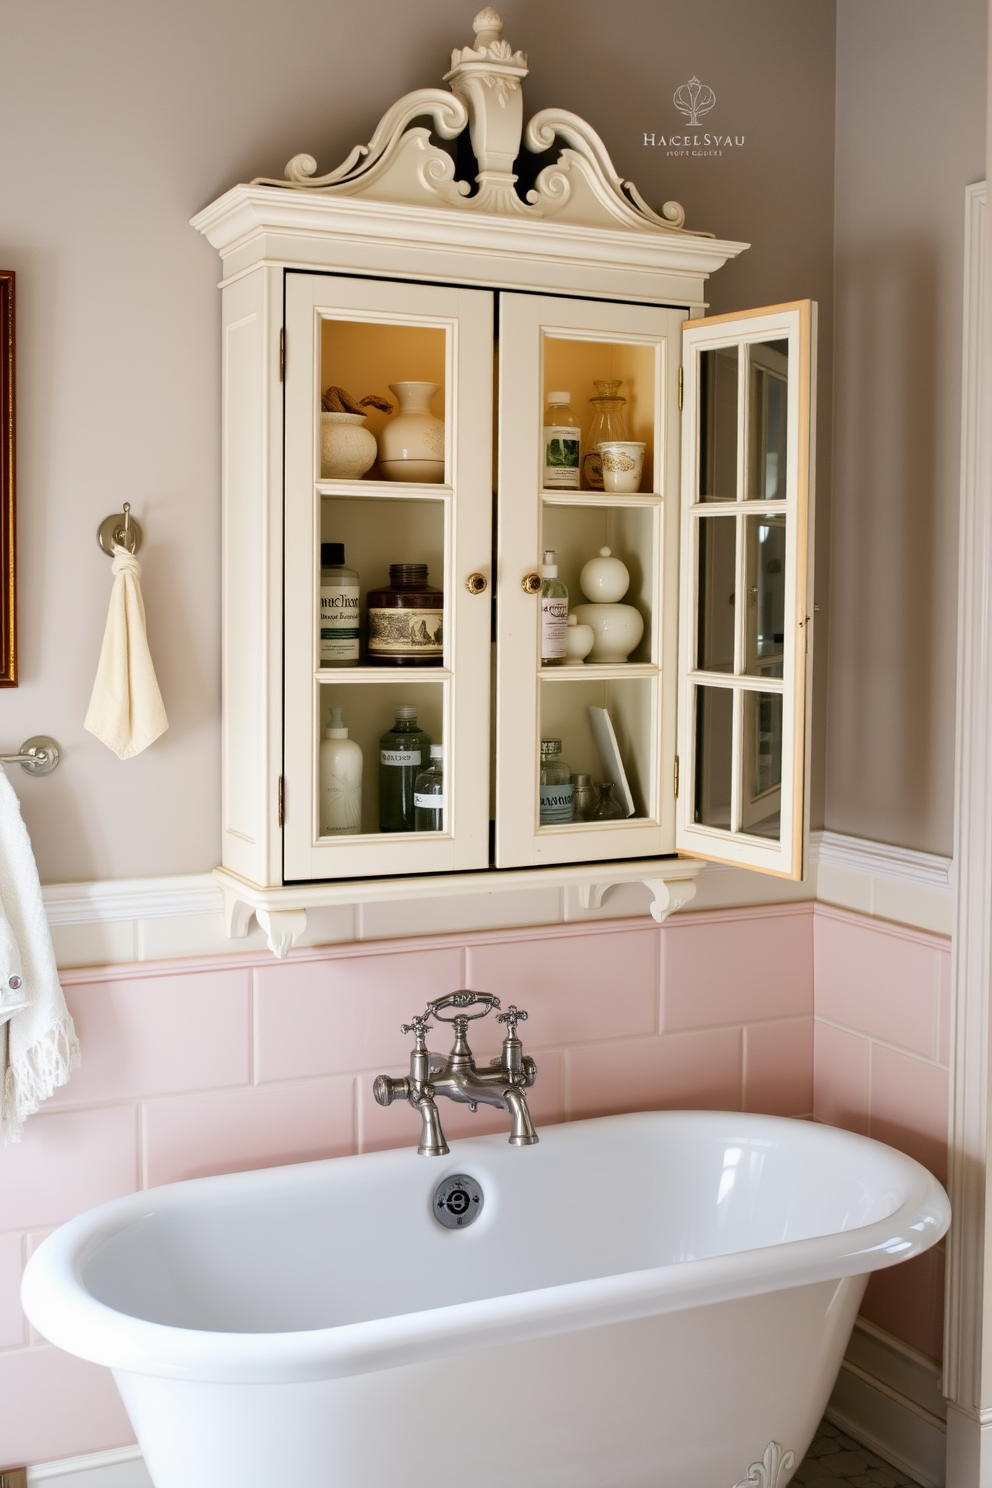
(340, 779)
(554, 612)
(606, 808)
(406, 620)
(403, 749)
(561, 440)
(608, 422)
(337, 624)
(584, 799)
(428, 794)
(557, 789)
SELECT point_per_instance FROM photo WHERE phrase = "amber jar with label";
(406, 620)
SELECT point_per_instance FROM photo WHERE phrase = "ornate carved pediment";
(403, 163)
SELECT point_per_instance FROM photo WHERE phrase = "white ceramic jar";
(579, 641)
(347, 447)
(617, 628)
(411, 444)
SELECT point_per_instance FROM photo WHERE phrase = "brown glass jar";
(405, 620)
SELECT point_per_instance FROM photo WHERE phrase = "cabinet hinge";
(282, 801)
(282, 358)
(676, 777)
(681, 385)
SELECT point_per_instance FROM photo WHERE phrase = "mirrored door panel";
(745, 587)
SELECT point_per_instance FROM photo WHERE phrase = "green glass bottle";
(404, 750)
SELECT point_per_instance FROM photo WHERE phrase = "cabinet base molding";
(281, 910)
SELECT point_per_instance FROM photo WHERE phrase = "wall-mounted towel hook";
(38, 755)
(122, 530)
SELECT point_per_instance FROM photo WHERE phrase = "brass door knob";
(531, 583)
(475, 583)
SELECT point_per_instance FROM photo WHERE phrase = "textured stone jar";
(347, 447)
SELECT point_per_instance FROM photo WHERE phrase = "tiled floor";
(836, 1461)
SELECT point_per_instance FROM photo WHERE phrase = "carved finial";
(488, 27)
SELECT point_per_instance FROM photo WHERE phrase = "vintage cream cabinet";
(395, 268)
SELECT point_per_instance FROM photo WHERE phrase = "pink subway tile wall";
(881, 1058)
(200, 1068)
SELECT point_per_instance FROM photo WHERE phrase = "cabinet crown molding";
(402, 163)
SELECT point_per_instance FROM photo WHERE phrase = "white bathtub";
(659, 1299)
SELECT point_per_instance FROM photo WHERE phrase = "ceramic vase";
(347, 447)
(411, 445)
(617, 629)
(579, 641)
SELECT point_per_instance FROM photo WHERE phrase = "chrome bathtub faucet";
(502, 1084)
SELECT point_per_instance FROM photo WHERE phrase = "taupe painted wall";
(910, 137)
(121, 120)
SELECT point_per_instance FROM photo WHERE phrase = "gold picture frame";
(8, 553)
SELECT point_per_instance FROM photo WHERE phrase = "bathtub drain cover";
(458, 1202)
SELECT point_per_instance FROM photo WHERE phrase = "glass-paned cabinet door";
(388, 539)
(746, 587)
(574, 374)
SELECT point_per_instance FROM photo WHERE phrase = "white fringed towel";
(38, 1047)
(126, 711)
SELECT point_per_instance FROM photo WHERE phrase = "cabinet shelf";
(394, 490)
(599, 673)
(372, 674)
(602, 498)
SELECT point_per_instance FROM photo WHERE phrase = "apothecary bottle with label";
(557, 789)
(554, 612)
(428, 794)
(406, 621)
(338, 622)
(403, 751)
(561, 444)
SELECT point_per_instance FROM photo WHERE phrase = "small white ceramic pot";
(604, 580)
(623, 461)
(347, 448)
(616, 628)
(411, 444)
(579, 641)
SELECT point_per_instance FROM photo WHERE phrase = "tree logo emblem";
(694, 99)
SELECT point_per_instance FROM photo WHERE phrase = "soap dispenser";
(340, 779)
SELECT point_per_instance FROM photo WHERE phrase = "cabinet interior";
(633, 705)
(632, 533)
(575, 364)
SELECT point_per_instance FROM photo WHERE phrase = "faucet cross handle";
(418, 1025)
(511, 1018)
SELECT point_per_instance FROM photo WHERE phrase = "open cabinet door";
(745, 582)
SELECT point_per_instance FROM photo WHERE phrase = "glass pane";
(769, 373)
(716, 596)
(718, 424)
(714, 756)
(762, 775)
(764, 615)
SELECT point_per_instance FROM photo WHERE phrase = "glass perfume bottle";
(562, 439)
(406, 620)
(428, 794)
(606, 807)
(608, 422)
(556, 785)
(554, 612)
(403, 749)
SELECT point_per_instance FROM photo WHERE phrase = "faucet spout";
(522, 1133)
(432, 1143)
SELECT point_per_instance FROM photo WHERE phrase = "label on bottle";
(338, 624)
(428, 803)
(561, 457)
(556, 804)
(400, 757)
(554, 627)
(406, 633)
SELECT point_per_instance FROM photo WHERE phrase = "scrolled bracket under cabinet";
(282, 912)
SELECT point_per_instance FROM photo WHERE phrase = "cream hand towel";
(126, 710)
(38, 1047)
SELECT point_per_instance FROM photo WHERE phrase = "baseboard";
(888, 1397)
(122, 1467)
